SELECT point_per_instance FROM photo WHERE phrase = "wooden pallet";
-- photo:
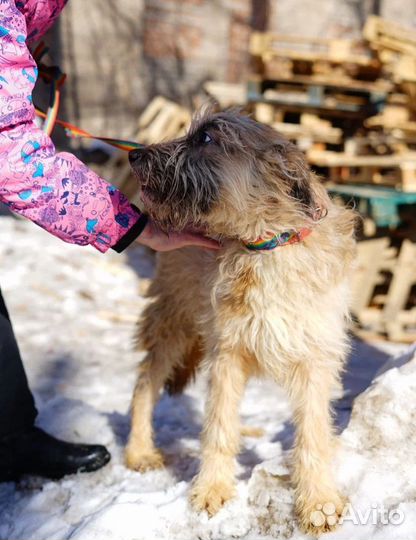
(309, 132)
(268, 44)
(395, 46)
(392, 313)
(282, 55)
(162, 120)
(373, 257)
(397, 170)
(319, 96)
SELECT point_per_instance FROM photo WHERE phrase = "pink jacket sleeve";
(54, 190)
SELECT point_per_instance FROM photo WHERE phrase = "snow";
(74, 311)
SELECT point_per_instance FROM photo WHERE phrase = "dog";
(274, 301)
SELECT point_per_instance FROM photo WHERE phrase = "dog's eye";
(206, 138)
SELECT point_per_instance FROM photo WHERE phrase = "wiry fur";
(281, 314)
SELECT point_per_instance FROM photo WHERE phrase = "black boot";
(35, 452)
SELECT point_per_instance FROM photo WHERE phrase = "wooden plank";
(269, 45)
(312, 102)
(398, 170)
(226, 94)
(382, 33)
(398, 294)
(329, 135)
(162, 120)
(264, 112)
(258, 43)
(404, 68)
(408, 180)
(339, 159)
(311, 128)
(342, 84)
(151, 111)
(379, 143)
(370, 318)
(372, 257)
(329, 107)
(392, 116)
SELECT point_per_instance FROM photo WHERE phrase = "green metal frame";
(378, 202)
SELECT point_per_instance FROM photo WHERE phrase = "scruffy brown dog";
(246, 310)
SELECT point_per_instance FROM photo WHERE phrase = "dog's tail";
(185, 373)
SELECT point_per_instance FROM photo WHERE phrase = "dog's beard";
(180, 200)
(170, 220)
(168, 216)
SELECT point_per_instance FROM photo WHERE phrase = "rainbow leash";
(279, 240)
(75, 132)
(54, 76)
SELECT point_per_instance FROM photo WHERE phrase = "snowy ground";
(74, 311)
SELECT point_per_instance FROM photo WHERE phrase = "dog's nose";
(134, 155)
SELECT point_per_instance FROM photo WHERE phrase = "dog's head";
(230, 175)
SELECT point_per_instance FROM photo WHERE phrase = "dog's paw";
(210, 497)
(251, 431)
(144, 461)
(316, 518)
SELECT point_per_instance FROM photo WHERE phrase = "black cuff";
(131, 234)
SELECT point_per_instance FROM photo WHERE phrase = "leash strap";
(75, 132)
(53, 75)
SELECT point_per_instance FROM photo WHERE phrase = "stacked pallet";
(395, 47)
(348, 103)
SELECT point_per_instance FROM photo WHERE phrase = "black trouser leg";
(17, 406)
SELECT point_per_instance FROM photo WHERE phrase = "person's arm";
(54, 190)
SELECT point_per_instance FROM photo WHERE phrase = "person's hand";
(153, 237)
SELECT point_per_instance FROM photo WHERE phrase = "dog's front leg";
(215, 483)
(318, 502)
(141, 453)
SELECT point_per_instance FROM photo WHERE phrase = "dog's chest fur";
(279, 307)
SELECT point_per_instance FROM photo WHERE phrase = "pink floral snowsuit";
(55, 190)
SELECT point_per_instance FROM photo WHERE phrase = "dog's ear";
(302, 192)
(302, 185)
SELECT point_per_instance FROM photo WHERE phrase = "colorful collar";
(279, 240)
